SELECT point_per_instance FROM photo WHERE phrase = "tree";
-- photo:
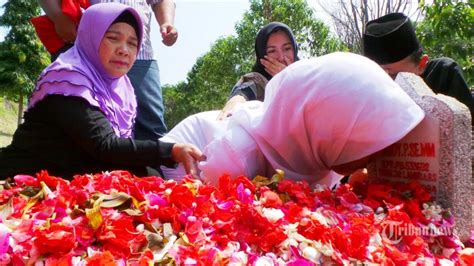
(22, 56)
(208, 83)
(447, 30)
(350, 16)
(212, 77)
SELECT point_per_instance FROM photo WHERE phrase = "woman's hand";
(273, 66)
(359, 176)
(188, 155)
(229, 106)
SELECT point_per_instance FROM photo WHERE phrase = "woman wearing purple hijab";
(80, 115)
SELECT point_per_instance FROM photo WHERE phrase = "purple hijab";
(79, 72)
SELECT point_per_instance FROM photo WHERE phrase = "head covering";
(127, 17)
(389, 39)
(261, 44)
(79, 71)
(327, 111)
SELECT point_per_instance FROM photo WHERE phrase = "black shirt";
(443, 75)
(67, 136)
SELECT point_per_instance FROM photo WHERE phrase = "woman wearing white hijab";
(319, 115)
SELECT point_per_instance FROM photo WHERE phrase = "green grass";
(8, 121)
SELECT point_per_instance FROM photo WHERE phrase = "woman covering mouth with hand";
(275, 49)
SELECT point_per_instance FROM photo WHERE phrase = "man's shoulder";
(441, 65)
(442, 62)
(443, 75)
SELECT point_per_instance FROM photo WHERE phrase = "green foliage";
(447, 30)
(22, 56)
(174, 96)
(208, 83)
(214, 74)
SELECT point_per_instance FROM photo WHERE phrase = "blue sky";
(3, 30)
(199, 24)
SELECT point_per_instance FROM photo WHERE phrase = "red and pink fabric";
(45, 27)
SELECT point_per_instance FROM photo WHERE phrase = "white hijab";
(317, 113)
(327, 111)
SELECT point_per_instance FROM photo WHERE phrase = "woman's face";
(118, 49)
(279, 47)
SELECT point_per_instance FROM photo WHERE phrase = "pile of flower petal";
(115, 218)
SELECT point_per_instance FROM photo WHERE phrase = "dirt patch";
(8, 105)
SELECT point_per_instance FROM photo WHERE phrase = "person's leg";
(145, 78)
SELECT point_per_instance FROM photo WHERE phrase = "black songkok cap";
(389, 39)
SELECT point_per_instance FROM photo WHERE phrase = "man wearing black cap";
(391, 42)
